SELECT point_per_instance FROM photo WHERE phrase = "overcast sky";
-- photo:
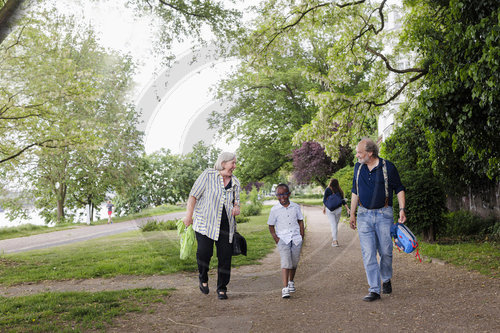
(117, 27)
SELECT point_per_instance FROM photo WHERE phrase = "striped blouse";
(211, 197)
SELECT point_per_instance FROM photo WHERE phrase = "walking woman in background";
(334, 214)
(213, 203)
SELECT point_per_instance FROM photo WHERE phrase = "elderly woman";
(212, 206)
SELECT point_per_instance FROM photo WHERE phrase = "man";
(110, 206)
(373, 184)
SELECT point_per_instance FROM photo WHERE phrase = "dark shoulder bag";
(239, 244)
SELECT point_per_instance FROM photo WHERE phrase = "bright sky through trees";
(119, 28)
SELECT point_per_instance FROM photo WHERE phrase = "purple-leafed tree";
(251, 185)
(312, 165)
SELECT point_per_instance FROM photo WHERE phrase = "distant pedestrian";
(286, 225)
(213, 203)
(374, 181)
(110, 206)
(334, 215)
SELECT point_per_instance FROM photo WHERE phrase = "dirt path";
(330, 284)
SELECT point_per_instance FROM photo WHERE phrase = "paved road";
(78, 234)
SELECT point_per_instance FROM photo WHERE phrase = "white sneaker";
(291, 286)
(335, 244)
(285, 293)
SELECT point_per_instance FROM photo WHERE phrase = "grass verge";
(31, 229)
(73, 311)
(154, 211)
(483, 257)
(131, 253)
(308, 201)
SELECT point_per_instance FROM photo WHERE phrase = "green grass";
(73, 311)
(31, 229)
(308, 201)
(154, 211)
(483, 257)
(131, 253)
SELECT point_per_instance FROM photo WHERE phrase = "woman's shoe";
(204, 289)
(335, 244)
(221, 295)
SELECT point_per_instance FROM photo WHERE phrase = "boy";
(286, 225)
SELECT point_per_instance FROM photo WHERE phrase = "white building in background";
(385, 122)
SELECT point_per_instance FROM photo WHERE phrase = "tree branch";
(392, 69)
(400, 90)
(303, 14)
(183, 11)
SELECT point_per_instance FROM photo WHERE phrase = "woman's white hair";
(223, 157)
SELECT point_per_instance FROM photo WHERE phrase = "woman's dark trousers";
(224, 254)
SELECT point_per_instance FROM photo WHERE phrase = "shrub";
(152, 225)
(464, 223)
(242, 219)
(425, 203)
(344, 176)
(250, 204)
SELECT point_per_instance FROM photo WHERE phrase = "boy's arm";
(301, 225)
(273, 233)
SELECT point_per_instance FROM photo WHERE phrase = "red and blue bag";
(404, 239)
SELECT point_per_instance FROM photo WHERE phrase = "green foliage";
(242, 219)
(73, 311)
(251, 205)
(425, 197)
(425, 203)
(344, 177)
(68, 101)
(459, 100)
(269, 100)
(185, 19)
(165, 178)
(154, 225)
(464, 224)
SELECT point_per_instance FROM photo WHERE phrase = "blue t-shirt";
(371, 184)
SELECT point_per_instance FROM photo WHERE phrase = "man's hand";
(352, 221)
(402, 216)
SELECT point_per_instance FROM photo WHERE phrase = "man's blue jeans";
(374, 229)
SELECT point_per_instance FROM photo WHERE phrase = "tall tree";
(166, 178)
(269, 98)
(459, 99)
(360, 77)
(312, 165)
(83, 108)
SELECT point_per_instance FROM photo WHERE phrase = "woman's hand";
(324, 210)
(236, 210)
(188, 220)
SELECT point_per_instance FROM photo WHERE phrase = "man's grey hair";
(370, 146)
(223, 157)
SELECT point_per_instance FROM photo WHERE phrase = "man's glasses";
(282, 194)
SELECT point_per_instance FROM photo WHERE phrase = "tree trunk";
(8, 15)
(429, 234)
(61, 197)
